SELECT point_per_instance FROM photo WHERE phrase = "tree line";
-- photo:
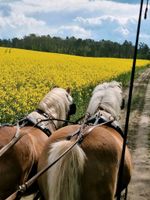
(73, 46)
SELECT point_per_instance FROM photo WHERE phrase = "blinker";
(72, 110)
(122, 104)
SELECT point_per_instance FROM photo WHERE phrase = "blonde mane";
(57, 104)
(107, 96)
(64, 178)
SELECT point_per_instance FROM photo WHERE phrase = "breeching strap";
(120, 173)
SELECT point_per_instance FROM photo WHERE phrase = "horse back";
(6, 134)
(102, 147)
(21, 159)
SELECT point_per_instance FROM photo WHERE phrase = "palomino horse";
(90, 169)
(20, 162)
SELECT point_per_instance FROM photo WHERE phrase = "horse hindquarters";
(62, 181)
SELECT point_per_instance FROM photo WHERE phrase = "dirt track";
(139, 139)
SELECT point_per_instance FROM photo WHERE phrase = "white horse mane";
(107, 96)
(56, 104)
(57, 101)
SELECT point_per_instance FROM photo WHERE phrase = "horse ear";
(68, 90)
(55, 86)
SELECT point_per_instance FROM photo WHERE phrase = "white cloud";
(102, 19)
(18, 25)
(98, 19)
(124, 31)
(75, 31)
(17, 20)
(32, 6)
(22, 20)
(101, 6)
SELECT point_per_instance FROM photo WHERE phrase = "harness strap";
(41, 112)
(29, 122)
(86, 130)
(100, 119)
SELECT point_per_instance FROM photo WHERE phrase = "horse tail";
(64, 177)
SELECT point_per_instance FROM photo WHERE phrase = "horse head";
(58, 103)
(107, 97)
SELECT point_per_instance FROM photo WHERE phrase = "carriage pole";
(120, 173)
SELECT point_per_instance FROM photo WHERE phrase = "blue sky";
(114, 20)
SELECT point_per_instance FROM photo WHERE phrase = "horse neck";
(96, 105)
(53, 113)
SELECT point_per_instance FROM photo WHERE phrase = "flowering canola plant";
(26, 76)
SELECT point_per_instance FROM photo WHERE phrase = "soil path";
(139, 139)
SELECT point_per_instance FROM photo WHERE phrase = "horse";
(89, 170)
(19, 163)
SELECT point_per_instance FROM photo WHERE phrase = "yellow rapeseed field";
(26, 76)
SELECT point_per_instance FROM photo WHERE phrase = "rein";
(18, 136)
(53, 119)
(81, 133)
(69, 137)
(22, 188)
(13, 141)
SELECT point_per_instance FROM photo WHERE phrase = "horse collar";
(100, 119)
(41, 112)
(31, 121)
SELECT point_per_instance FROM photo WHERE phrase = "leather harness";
(29, 122)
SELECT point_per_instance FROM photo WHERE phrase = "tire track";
(139, 188)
